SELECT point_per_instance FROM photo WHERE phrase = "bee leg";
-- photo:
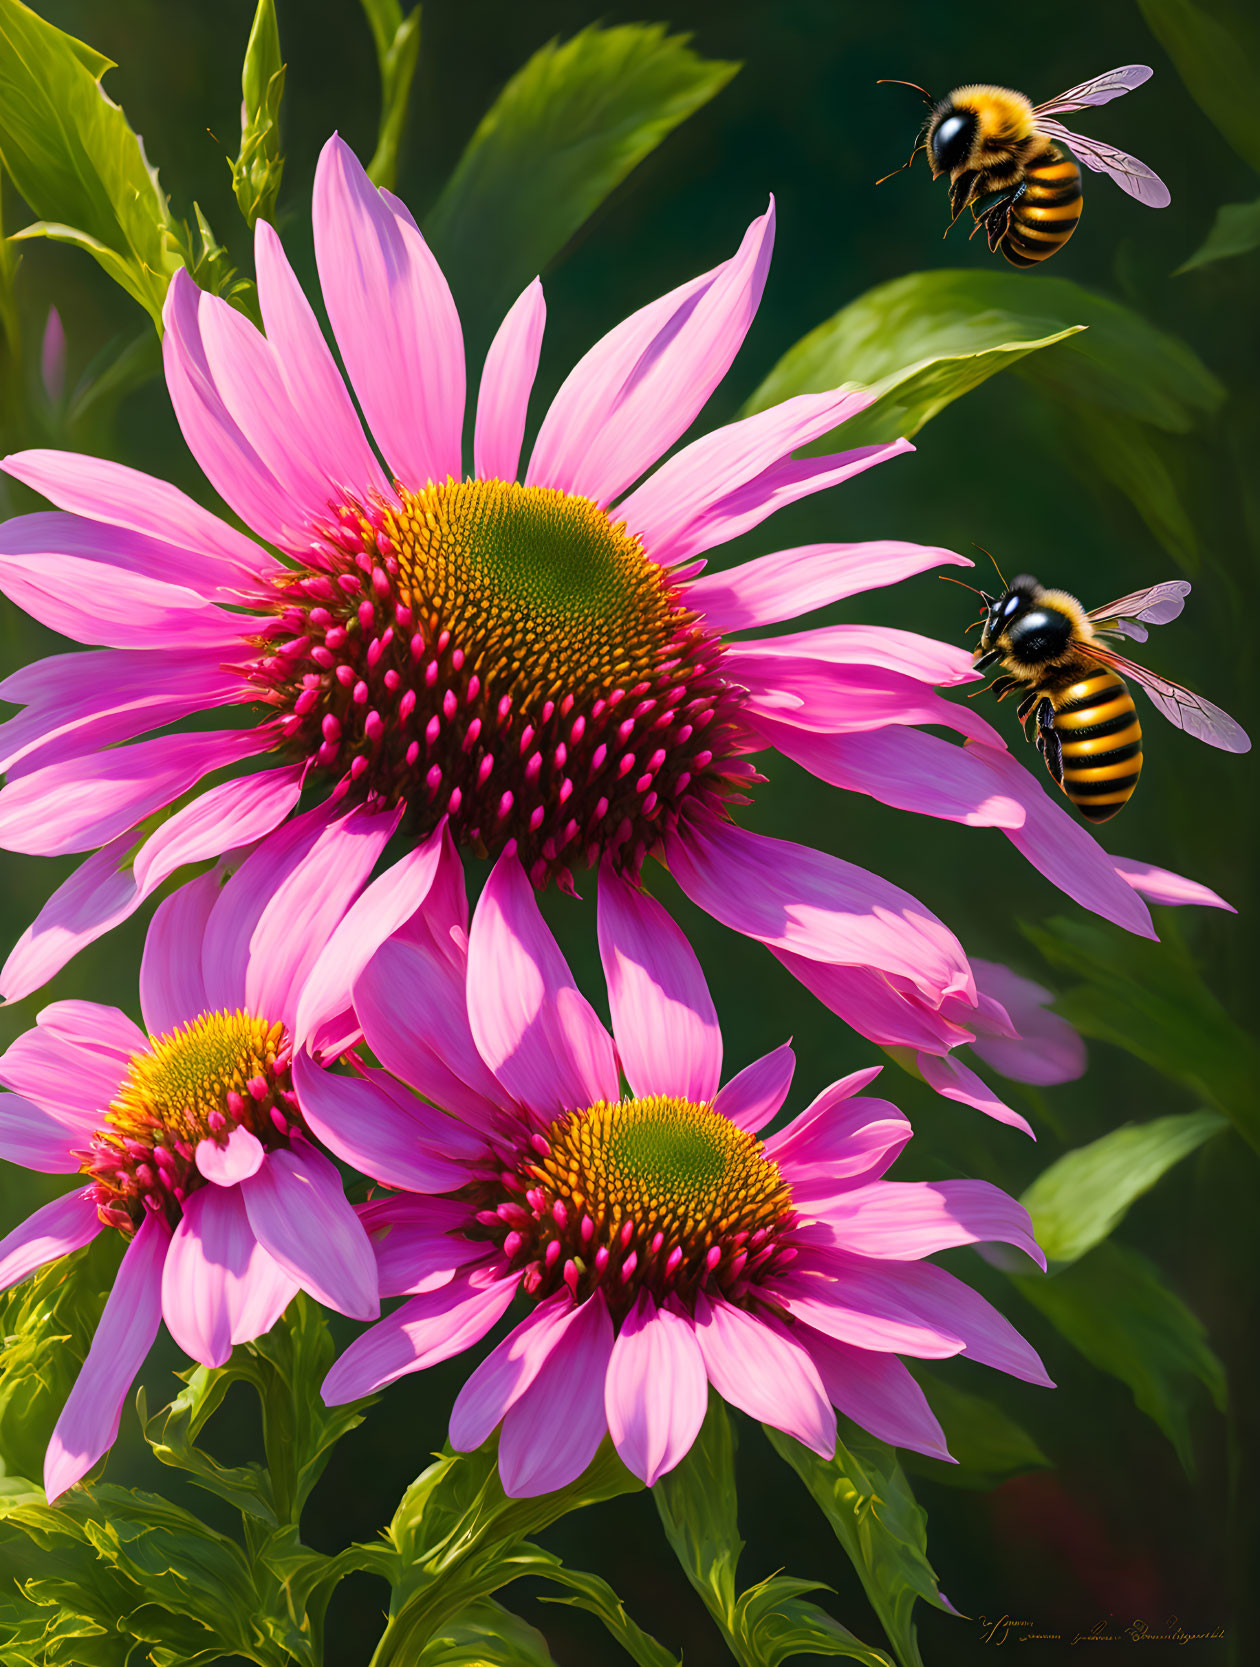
(960, 193)
(989, 659)
(1048, 742)
(1026, 705)
(1003, 686)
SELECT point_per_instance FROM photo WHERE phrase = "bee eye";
(951, 141)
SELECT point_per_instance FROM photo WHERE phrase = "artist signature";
(1016, 1629)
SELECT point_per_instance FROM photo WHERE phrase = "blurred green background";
(1115, 1525)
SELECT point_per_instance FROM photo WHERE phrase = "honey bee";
(1006, 162)
(1076, 703)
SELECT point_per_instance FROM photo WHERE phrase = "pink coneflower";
(660, 1243)
(191, 1138)
(536, 660)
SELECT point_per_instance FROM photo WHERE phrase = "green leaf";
(565, 131)
(487, 1635)
(589, 1592)
(397, 40)
(988, 1444)
(864, 1494)
(1235, 231)
(47, 1324)
(1151, 1000)
(1115, 1309)
(1082, 1196)
(1216, 48)
(258, 168)
(697, 1505)
(70, 152)
(774, 1623)
(924, 340)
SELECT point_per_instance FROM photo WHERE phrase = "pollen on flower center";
(202, 1081)
(509, 657)
(655, 1194)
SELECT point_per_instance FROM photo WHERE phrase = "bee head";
(951, 134)
(1002, 612)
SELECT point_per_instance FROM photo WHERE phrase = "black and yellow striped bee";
(1006, 162)
(1076, 703)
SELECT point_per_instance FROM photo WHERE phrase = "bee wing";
(1114, 83)
(1190, 712)
(1128, 173)
(1130, 615)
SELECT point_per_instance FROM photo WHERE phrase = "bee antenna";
(949, 580)
(888, 81)
(904, 165)
(993, 559)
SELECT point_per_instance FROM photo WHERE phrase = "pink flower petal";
(172, 987)
(1056, 844)
(413, 1008)
(687, 505)
(626, 402)
(877, 1392)
(553, 1430)
(876, 1008)
(906, 1220)
(30, 1137)
(89, 1024)
(923, 658)
(417, 1242)
(792, 898)
(534, 1030)
(494, 1387)
(861, 1303)
(953, 1080)
(101, 892)
(506, 381)
(299, 1213)
(240, 1156)
(755, 1364)
(223, 818)
(1046, 1048)
(790, 583)
(81, 803)
(366, 1128)
(277, 911)
(1162, 886)
(213, 556)
(837, 1143)
(53, 1230)
(664, 1021)
(393, 317)
(71, 1082)
(379, 910)
(904, 768)
(656, 1393)
(227, 459)
(807, 695)
(332, 434)
(753, 1096)
(215, 1274)
(89, 1420)
(423, 1331)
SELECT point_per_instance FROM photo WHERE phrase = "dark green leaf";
(47, 1323)
(1235, 231)
(589, 1592)
(1114, 1307)
(1083, 1195)
(1216, 48)
(487, 1635)
(987, 1443)
(774, 1623)
(258, 168)
(565, 131)
(1150, 1000)
(864, 1494)
(397, 40)
(925, 339)
(697, 1505)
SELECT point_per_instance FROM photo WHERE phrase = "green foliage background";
(1102, 462)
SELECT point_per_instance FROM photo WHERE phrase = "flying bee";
(1076, 703)
(1006, 162)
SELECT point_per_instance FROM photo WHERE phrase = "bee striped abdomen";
(1097, 726)
(1046, 211)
